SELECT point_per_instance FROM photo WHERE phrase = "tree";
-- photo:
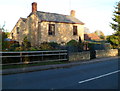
(116, 25)
(115, 38)
(5, 45)
(102, 37)
(26, 44)
(100, 34)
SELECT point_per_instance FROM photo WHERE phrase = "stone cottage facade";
(41, 27)
(19, 30)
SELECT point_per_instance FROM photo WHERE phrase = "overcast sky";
(96, 14)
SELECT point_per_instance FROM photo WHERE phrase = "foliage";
(54, 45)
(116, 19)
(13, 46)
(100, 34)
(24, 47)
(5, 44)
(45, 46)
(19, 49)
(115, 38)
(33, 49)
(26, 44)
(72, 43)
(75, 46)
(102, 37)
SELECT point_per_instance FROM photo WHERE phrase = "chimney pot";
(34, 7)
(72, 13)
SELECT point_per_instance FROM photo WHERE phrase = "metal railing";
(9, 58)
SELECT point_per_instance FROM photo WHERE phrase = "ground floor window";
(51, 30)
(74, 30)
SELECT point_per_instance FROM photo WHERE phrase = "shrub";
(26, 43)
(33, 49)
(19, 49)
(13, 46)
(5, 45)
(45, 46)
(54, 44)
(72, 43)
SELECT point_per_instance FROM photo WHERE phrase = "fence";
(33, 56)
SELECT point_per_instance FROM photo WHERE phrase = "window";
(12, 36)
(51, 30)
(74, 30)
(18, 29)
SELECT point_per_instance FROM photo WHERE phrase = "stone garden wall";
(106, 53)
(78, 56)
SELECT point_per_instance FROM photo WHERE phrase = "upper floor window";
(75, 32)
(51, 30)
(18, 30)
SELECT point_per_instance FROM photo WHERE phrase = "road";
(98, 75)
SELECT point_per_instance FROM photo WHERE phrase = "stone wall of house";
(37, 31)
(79, 56)
(33, 30)
(106, 53)
(63, 32)
(22, 31)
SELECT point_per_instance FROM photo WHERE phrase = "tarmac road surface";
(96, 75)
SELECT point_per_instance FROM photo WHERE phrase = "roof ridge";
(53, 13)
(48, 16)
(23, 18)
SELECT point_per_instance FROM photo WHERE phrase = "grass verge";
(32, 64)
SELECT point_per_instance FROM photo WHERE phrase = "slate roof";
(54, 17)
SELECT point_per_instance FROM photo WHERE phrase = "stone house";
(19, 30)
(41, 27)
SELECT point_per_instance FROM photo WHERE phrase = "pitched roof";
(54, 17)
(91, 36)
(23, 19)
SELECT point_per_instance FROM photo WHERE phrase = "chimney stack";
(34, 7)
(72, 13)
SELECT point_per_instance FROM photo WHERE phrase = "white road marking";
(99, 76)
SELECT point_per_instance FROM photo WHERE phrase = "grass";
(32, 64)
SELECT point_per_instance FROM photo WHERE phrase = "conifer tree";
(116, 25)
(115, 38)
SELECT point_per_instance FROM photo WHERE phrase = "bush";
(54, 45)
(33, 49)
(26, 43)
(72, 43)
(45, 46)
(19, 49)
(5, 45)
